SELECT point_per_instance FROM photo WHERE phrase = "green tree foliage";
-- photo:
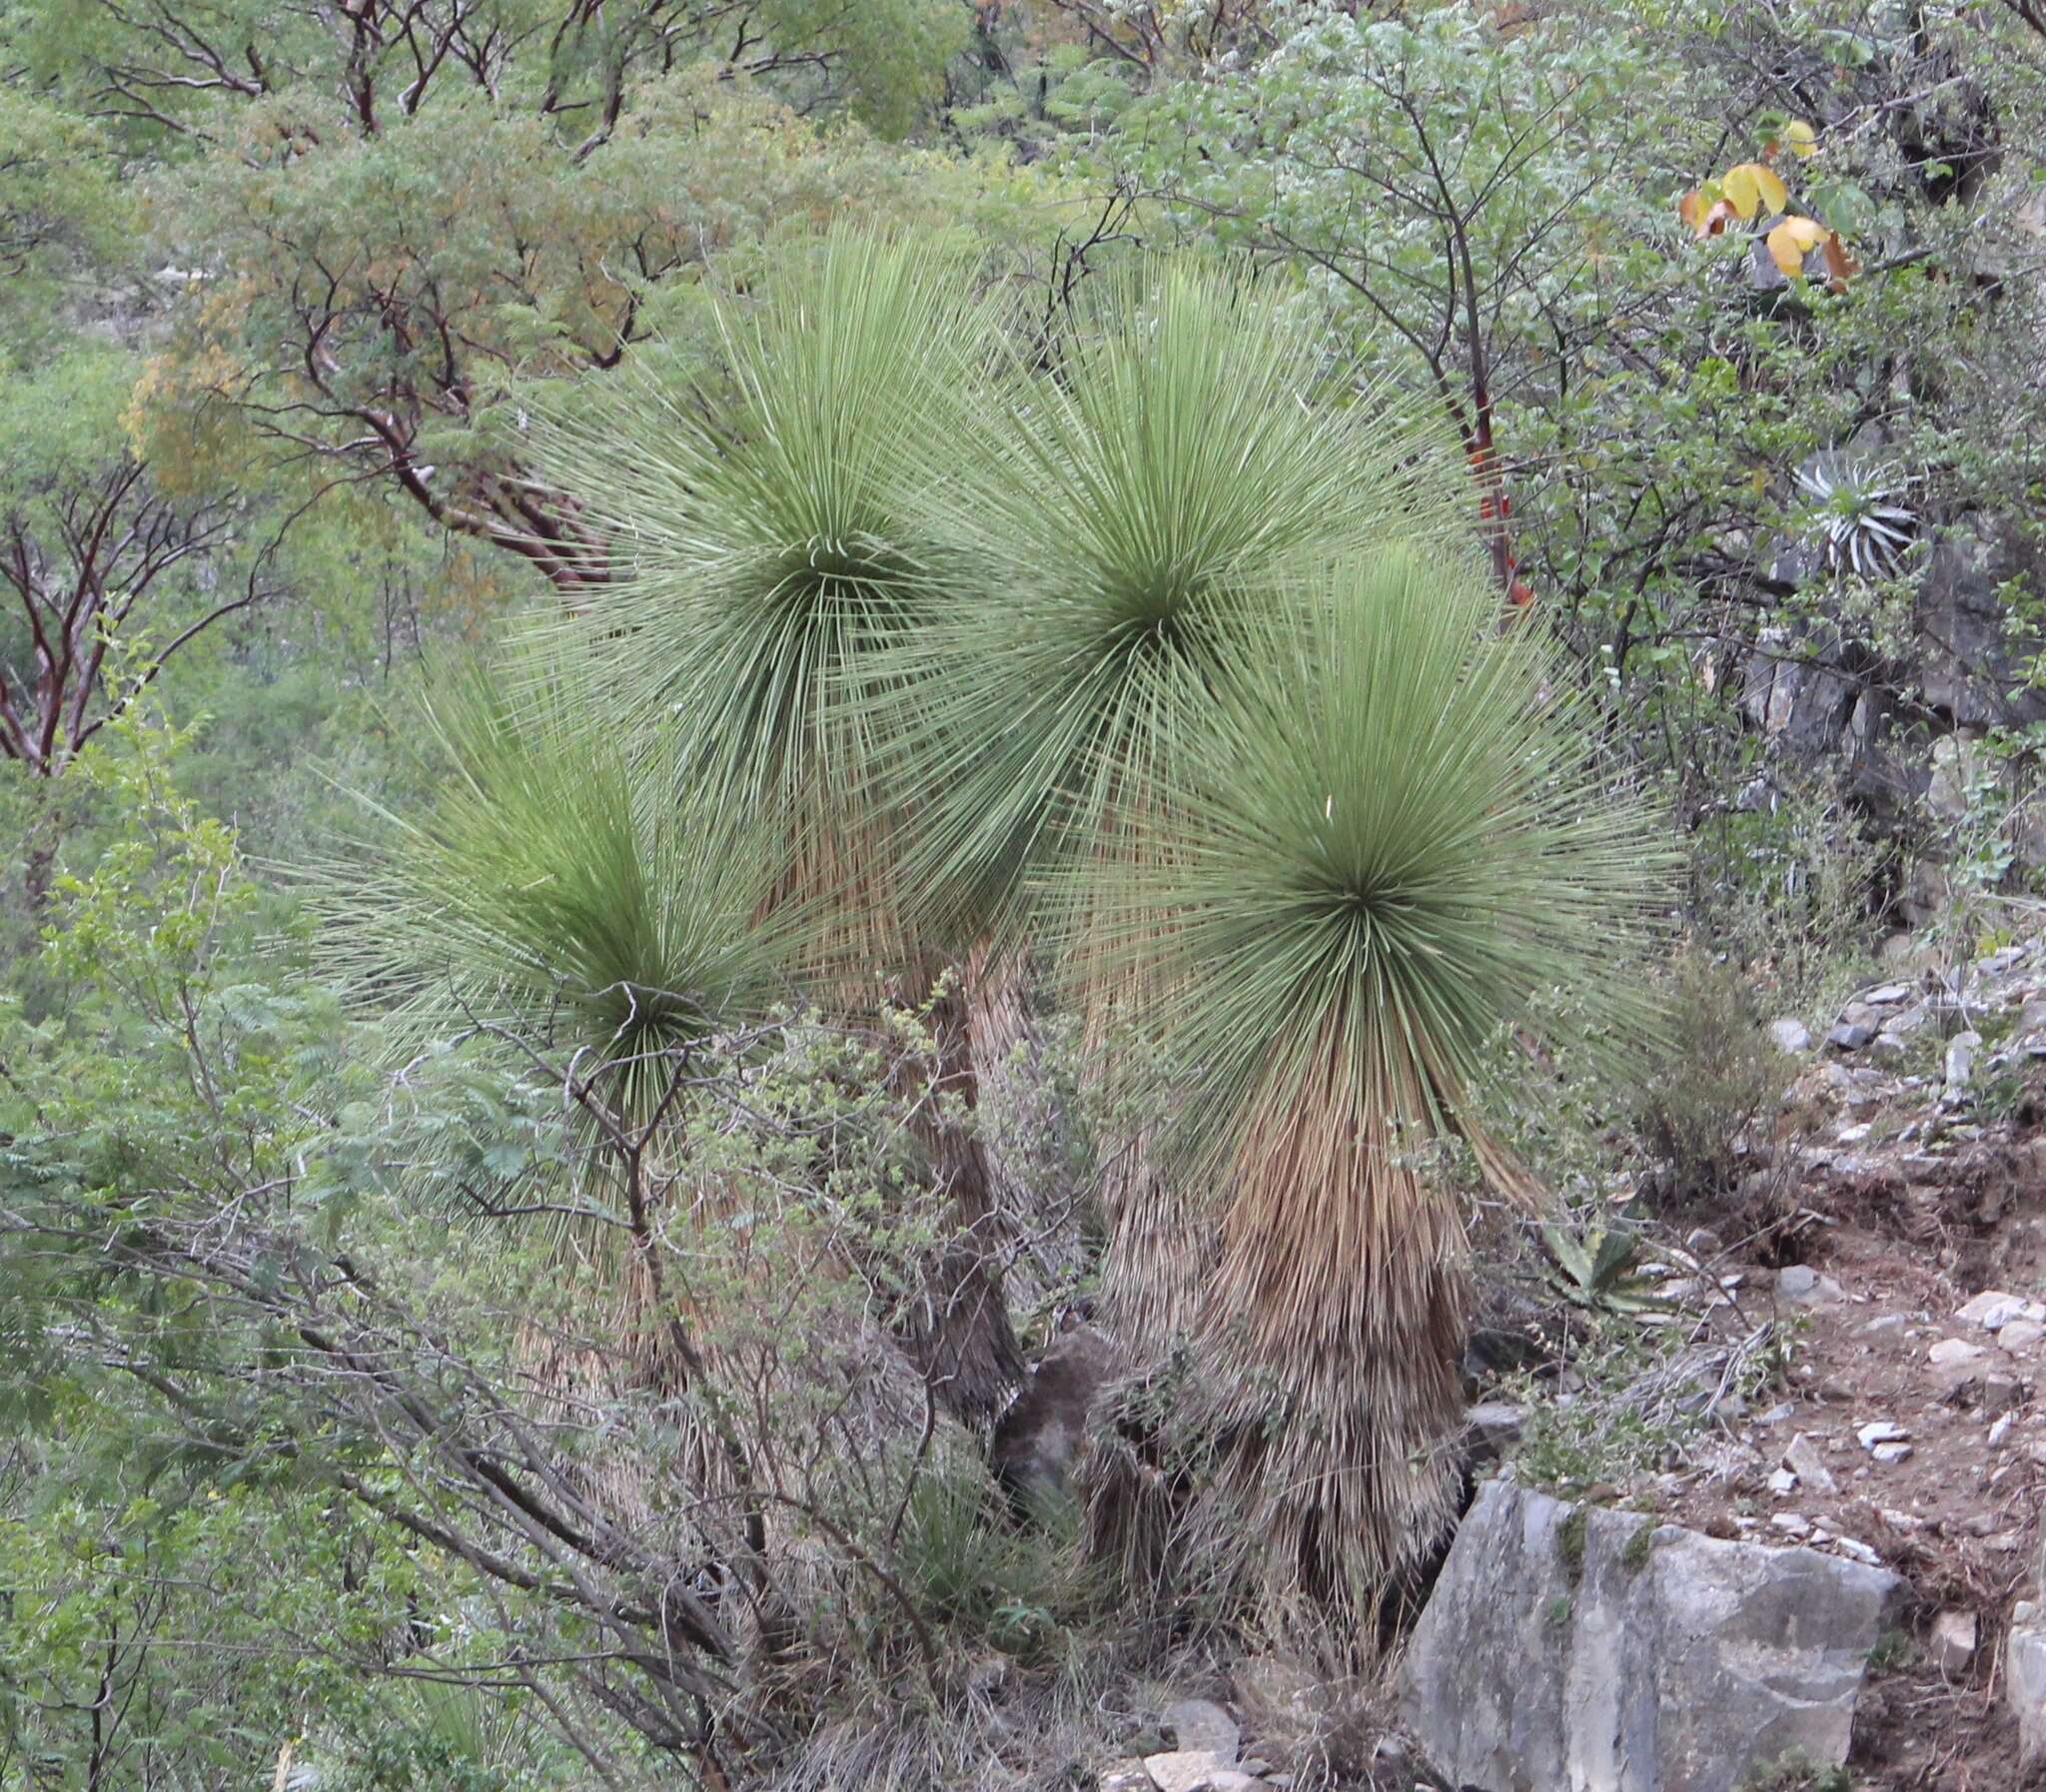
(402, 215)
(62, 219)
(93, 552)
(507, 1338)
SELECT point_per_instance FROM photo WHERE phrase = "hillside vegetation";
(847, 842)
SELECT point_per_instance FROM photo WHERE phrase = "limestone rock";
(1791, 1036)
(1998, 1301)
(1202, 1724)
(2024, 1681)
(1195, 1770)
(1804, 1460)
(1960, 1058)
(1038, 1440)
(1573, 1646)
(1493, 1425)
(1953, 1640)
(2013, 1313)
(1803, 1286)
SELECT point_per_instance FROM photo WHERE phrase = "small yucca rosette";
(548, 886)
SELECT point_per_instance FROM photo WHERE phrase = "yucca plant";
(1193, 457)
(768, 539)
(550, 888)
(771, 546)
(553, 903)
(1380, 844)
(1857, 508)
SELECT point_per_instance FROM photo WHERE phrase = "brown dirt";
(1908, 1241)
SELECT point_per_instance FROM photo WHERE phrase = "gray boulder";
(1038, 1439)
(1588, 1650)
(2024, 1679)
(1968, 665)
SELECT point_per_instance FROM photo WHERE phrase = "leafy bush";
(1717, 1074)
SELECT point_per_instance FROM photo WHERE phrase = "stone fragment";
(1042, 1434)
(1990, 1299)
(1195, 1770)
(1960, 1058)
(2020, 1336)
(1791, 1036)
(1999, 1394)
(1887, 995)
(1856, 1133)
(1803, 1459)
(1202, 1724)
(2024, 1682)
(1850, 1036)
(1881, 1430)
(1493, 1425)
(1795, 1524)
(1802, 1285)
(1891, 1454)
(1953, 1640)
(2013, 1313)
(1575, 1646)
(1782, 1481)
(1954, 1352)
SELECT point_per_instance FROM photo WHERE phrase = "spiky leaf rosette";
(1386, 846)
(1193, 453)
(767, 532)
(548, 889)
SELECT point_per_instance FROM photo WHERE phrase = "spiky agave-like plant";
(1857, 508)
(549, 889)
(770, 530)
(769, 540)
(1382, 845)
(1192, 456)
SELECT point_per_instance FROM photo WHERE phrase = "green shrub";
(1720, 1075)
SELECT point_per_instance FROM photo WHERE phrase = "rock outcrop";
(2024, 1679)
(1577, 1648)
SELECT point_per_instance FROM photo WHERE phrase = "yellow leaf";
(1801, 138)
(1792, 240)
(1750, 187)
